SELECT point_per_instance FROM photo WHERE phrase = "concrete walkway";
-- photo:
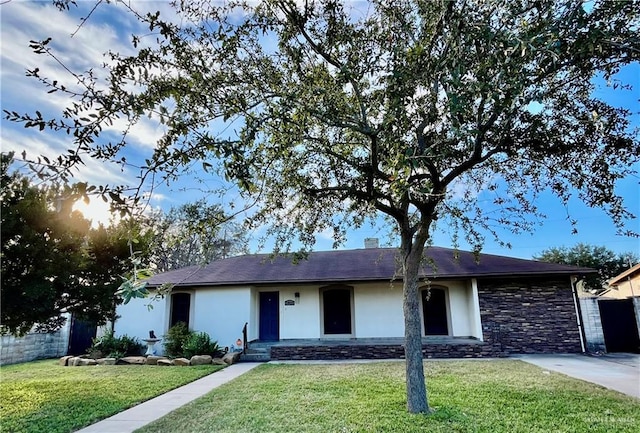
(151, 410)
(616, 372)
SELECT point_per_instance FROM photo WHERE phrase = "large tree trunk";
(417, 401)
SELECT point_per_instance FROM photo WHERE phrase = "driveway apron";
(619, 372)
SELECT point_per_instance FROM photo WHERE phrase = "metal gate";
(81, 335)
(619, 325)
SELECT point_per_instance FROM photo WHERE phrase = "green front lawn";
(470, 396)
(42, 396)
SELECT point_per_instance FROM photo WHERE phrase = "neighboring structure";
(35, 345)
(592, 324)
(344, 304)
(74, 337)
(625, 285)
(612, 319)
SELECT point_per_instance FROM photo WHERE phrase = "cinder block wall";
(529, 315)
(34, 345)
(592, 325)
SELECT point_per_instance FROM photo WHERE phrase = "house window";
(337, 311)
(434, 311)
(180, 306)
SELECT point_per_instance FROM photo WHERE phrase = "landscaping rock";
(74, 362)
(153, 359)
(106, 361)
(134, 360)
(218, 361)
(63, 361)
(231, 357)
(164, 362)
(180, 361)
(87, 361)
(200, 360)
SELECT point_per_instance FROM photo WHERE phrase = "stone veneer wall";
(383, 351)
(34, 345)
(592, 325)
(529, 315)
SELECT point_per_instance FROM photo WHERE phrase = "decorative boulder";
(74, 362)
(153, 359)
(231, 357)
(218, 361)
(106, 361)
(63, 361)
(180, 361)
(164, 362)
(87, 361)
(141, 360)
(200, 360)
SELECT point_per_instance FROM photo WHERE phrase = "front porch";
(369, 348)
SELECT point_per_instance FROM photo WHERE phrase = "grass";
(470, 396)
(43, 396)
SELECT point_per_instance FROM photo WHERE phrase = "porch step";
(255, 357)
(257, 354)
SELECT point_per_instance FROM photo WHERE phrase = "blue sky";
(110, 28)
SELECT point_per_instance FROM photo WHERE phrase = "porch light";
(297, 296)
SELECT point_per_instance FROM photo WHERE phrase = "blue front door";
(269, 316)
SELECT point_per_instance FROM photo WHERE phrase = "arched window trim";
(169, 308)
(330, 287)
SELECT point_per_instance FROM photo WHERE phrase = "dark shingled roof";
(374, 264)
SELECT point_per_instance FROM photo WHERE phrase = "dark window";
(434, 308)
(337, 311)
(180, 306)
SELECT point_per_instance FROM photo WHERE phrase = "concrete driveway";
(617, 371)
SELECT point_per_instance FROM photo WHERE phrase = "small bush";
(115, 347)
(199, 343)
(176, 338)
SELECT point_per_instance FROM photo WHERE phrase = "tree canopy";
(327, 114)
(53, 262)
(607, 262)
(193, 234)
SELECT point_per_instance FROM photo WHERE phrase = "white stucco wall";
(221, 312)
(378, 310)
(301, 320)
(460, 304)
(136, 320)
(474, 310)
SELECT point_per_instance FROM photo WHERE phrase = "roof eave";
(568, 273)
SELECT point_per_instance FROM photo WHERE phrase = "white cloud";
(109, 28)
(326, 234)
(94, 172)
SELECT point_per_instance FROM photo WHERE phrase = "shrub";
(199, 343)
(115, 347)
(176, 338)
